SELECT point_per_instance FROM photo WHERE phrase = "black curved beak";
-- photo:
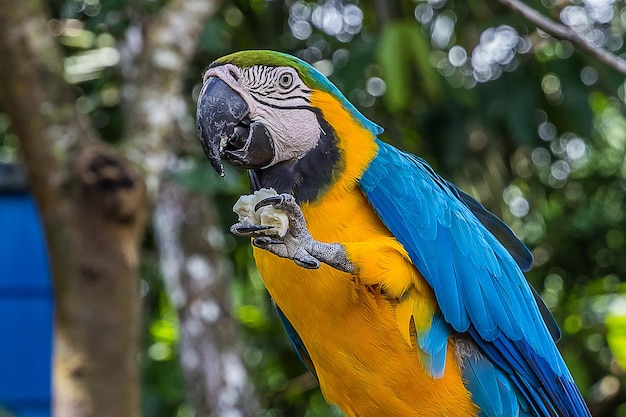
(226, 131)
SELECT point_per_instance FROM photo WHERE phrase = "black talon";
(275, 199)
(248, 229)
(305, 263)
(263, 242)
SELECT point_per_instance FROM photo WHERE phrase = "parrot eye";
(285, 80)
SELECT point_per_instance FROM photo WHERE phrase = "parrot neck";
(345, 149)
(307, 177)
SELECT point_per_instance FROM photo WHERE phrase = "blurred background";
(528, 124)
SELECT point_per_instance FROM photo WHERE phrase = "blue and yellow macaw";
(401, 293)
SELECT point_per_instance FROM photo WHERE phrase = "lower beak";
(226, 131)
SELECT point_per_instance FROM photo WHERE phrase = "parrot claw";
(278, 247)
(297, 244)
(263, 242)
(275, 200)
(307, 262)
(246, 229)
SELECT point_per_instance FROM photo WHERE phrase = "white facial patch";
(283, 109)
(294, 131)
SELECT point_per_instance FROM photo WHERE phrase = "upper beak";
(226, 131)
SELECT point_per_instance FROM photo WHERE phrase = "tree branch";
(565, 33)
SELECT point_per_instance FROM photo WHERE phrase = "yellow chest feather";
(350, 329)
(348, 325)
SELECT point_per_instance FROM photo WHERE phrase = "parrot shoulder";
(383, 262)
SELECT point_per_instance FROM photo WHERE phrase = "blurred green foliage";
(531, 127)
(5, 413)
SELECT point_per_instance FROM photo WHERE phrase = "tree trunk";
(93, 207)
(196, 275)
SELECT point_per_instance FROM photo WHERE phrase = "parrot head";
(256, 111)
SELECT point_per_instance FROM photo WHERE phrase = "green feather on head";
(311, 76)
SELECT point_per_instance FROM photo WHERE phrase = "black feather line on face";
(309, 177)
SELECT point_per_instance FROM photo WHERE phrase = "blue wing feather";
(296, 342)
(474, 264)
(493, 390)
(520, 253)
(433, 343)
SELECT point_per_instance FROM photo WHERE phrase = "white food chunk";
(265, 216)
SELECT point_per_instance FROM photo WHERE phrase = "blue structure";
(26, 311)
